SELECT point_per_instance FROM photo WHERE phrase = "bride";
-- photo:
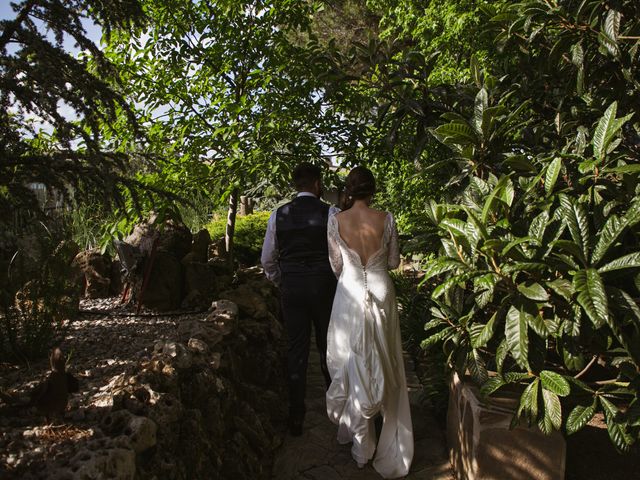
(364, 351)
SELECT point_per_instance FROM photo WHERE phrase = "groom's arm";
(270, 254)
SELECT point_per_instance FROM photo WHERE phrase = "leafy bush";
(249, 235)
(46, 300)
(414, 304)
(538, 273)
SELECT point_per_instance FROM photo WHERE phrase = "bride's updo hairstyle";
(360, 184)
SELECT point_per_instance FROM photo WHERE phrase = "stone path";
(316, 455)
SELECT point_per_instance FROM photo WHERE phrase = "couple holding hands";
(307, 246)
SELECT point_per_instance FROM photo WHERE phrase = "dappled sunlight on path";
(316, 455)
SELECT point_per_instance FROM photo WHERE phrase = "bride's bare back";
(362, 229)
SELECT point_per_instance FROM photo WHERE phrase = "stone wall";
(177, 266)
(208, 403)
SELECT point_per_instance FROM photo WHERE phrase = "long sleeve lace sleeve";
(335, 255)
(269, 256)
(393, 258)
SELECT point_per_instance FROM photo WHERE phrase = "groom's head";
(308, 178)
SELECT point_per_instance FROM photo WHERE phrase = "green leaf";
(477, 367)
(538, 226)
(515, 377)
(529, 399)
(481, 334)
(456, 133)
(455, 226)
(451, 282)
(537, 324)
(552, 175)
(441, 266)
(491, 385)
(480, 104)
(473, 221)
(608, 43)
(591, 295)
(604, 131)
(533, 291)
(631, 168)
(436, 322)
(617, 432)
(476, 74)
(562, 287)
(517, 335)
(577, 54)
(499, 192)
(501, 354)
(575, 215)
(628, 261)
(571, 248)
(435, 338)
(612, 24)
(552, 408)
(580, 416)
(516, 242)
(555, 383)
(625, 302)
(612, 230)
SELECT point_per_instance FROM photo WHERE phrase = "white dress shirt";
(270, 253)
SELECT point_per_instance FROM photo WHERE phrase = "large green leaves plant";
(536, 279)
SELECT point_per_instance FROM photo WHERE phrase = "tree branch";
(12, 26)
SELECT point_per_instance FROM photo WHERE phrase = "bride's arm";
(335, 256)
(393, 258)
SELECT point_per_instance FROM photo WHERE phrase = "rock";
(198, 346)
(143, 236)
(165, 409)
(200, 277)
(217, 249)
(194, 301)
(104, 462)
(175, 238)
(142, 433)
(96, 269)
(116, 285)
(200, 246)
(180, 356)
(201, 330)
(164, 288)
(250, 301)
(223, 309)
(224, 315)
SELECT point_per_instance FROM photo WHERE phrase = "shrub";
(414, 304)
(45, 302)
(536, 276)
(249, 235)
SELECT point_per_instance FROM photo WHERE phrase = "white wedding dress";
(364, 355)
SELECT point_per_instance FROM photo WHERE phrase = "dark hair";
(360, 184)
(305, 175)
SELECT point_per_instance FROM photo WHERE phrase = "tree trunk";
(231, 224)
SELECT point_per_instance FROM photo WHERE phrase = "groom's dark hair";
(305, 175)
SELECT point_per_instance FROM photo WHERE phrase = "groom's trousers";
(306, 300)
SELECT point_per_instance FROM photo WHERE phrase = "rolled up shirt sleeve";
(269, 257)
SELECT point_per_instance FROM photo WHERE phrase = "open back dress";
(364, 355)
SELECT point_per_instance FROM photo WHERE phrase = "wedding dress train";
(364, 356)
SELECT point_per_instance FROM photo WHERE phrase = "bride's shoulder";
(383, 215)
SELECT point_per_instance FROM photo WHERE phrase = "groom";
(295, 257)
